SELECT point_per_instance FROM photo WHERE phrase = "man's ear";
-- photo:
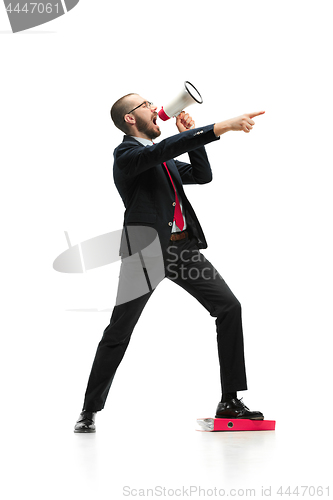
(130, 119)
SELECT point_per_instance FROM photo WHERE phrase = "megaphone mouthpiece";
(163, 115)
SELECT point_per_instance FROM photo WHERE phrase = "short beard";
(146, 128)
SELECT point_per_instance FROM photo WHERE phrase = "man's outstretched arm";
(134, 160)
(243, 122)
(199, 171)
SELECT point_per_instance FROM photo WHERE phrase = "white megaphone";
(189, 95)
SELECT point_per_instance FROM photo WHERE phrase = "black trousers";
(188, 268)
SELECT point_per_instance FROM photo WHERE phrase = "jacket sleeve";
(198, 171)
(133, 160)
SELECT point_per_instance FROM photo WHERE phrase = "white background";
(266, 216)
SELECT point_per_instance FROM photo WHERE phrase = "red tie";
(178, 216)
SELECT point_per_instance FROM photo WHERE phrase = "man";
(150, 183)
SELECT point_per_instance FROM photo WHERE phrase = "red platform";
(234, 424)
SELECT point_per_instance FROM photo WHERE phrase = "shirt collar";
(145, 142)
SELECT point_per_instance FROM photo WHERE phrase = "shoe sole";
(84, 431)
(239, 418)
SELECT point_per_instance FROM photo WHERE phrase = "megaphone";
(189, 95)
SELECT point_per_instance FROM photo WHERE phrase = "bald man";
(150, 182)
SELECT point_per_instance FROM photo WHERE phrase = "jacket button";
(170, 223)
(174, 204)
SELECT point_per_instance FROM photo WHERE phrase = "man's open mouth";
(155, 120)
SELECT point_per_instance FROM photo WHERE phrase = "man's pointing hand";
(243, 122)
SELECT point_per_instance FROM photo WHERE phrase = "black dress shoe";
(236, 409)
(85, 422)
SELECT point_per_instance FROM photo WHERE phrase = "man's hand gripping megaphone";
(184, 122)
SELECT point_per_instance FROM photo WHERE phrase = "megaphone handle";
(175, 116)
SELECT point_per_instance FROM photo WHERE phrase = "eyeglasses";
(147, 105)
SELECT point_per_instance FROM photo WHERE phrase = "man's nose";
(154, 108)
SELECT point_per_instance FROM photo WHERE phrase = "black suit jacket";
(144, 185)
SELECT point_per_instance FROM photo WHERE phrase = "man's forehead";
(136, 100)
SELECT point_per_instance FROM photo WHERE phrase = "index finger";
(257, 113)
